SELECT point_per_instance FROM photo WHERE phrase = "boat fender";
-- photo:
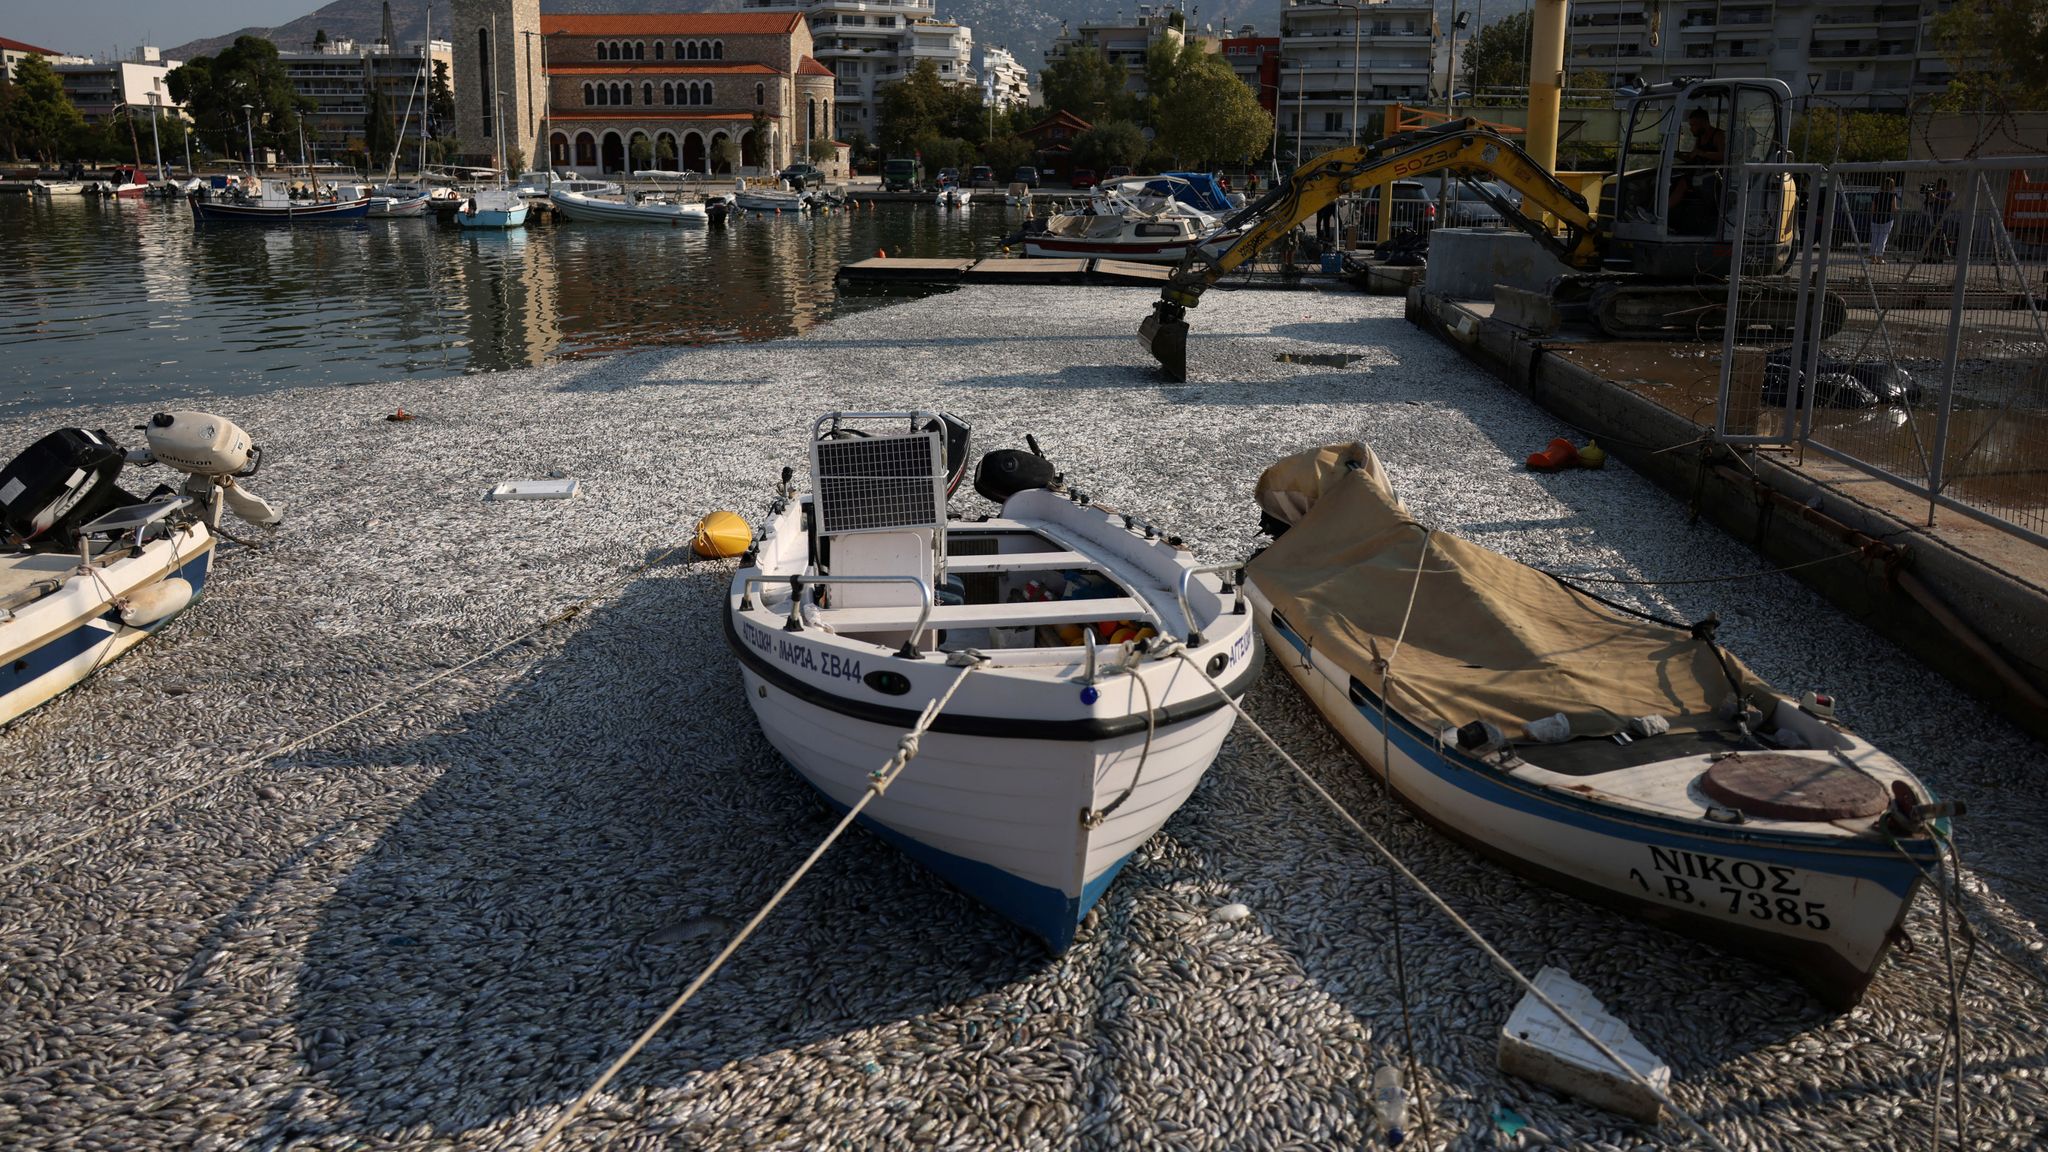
(1481, 736)
(159, 601)
(721, 535)
(1555, 728)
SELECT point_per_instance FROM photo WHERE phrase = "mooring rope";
(878, 783)
(1949, 896)
(1492, 953)
(411, 691)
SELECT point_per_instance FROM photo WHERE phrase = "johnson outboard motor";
(61, 481)
(215, 455)
(1007, 471)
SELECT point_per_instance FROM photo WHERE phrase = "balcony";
(1856, 51)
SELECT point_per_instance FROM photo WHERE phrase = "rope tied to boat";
(1485, 946)
(1133, 655)
(1947, 883)
(968, 661)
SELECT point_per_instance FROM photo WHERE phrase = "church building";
(601, 94)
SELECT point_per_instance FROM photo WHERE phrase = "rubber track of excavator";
(1637, 308)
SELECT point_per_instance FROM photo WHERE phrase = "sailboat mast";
(426, 110)
(497, 108)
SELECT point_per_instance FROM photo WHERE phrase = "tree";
(1589, 88)
(1498, 58)
(440, 100)
(725, 155)
(1210, 115)
(1860, 136)
(823, 151)
(640, 151)
(1008, 153)
(1998, 51)
(38, 117)
(942, 151)
(379, 134)
(922, 104)
(1108, 144)
(214, 88)
(764, 131)
(1085, 83)
(319, 37)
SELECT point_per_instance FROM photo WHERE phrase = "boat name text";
(1733, 888)
(799, 655)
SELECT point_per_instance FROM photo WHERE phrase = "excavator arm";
(1462, 147)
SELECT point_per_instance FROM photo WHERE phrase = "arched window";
(668, 93)
(693, 49)
(600, 49)
(607, 51)
(602, 98)
(760, 95)
(589, 97)
(639, 50)
(695, 98)
(678, 54)
(707, 93)
(647, 93)
(718, 49)
(626, 90)
(657, 49)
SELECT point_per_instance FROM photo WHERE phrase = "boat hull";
(754, 202)
(1826, 911)
(216, 212)
(1055, 247)
(385, 207)
(493, 217)
(587, 208)
(57, 642)
(1000, 817)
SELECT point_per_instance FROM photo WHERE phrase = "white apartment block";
(1860, 54)
(1124, 43)
(100, 89)
(338, 76)
(1005, 83)
(1317, 78)
(870, 43)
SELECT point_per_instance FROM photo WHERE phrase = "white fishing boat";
(768, 199)
(953, 196)
(58, 187)
(1073, 742)
(399, 206)
(1629, 761)
(89, 572)
(671, 207)
(539, 185)
(1162, 239)
(1018, 195)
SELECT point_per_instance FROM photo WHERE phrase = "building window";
(483, 64)
(668, 94)
(707, 93)
(647, 93)
(718, 49)
(626, 90)
(589, 97)
(760, 95)
(679, 50)
(657, 49)
(639, 50)
(1333, 121)
(693, 49)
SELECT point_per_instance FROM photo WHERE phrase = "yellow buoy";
(722, 535)
(1592, 455)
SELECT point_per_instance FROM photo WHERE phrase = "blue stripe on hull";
(1894, 872)
(83, 637)
(1043, 911)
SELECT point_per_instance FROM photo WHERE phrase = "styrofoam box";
(1536, 1045)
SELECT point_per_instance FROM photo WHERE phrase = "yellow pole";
(1546, 77)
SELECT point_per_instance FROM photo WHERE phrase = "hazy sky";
(93, 27)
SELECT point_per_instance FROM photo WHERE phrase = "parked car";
(981, 176)
(1467, 208)
(1083, 178)
(802, 176)
(1027, 176)
(949, 177)
(901, 175)
(1116, 172)
(1412, 208)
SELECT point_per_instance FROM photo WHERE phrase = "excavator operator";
(1694, 171)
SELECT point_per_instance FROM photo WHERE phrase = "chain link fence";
(1905, 335)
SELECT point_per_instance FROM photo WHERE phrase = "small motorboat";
(954, 196)
(1018, 195)
(1080, 734)
(1135, 236)
(767, 199)
(1629, 761)
(399, 206)
(492, 208)
(88, 571)
(126, 184)
(667, 209)
(58, 187)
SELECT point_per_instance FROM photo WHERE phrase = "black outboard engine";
(63, 480)
(1007, 471)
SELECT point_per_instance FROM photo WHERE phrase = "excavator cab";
(1675, 202)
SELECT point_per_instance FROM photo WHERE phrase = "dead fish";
(695, 928)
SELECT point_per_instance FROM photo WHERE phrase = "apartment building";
(1859, 54)
(1317, 78)
(100, 89)
(1005, 83)
(1125, 43)
(1256, 60)
(868, 44)
(338, 76)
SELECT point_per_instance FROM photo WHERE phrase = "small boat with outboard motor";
(1628, 760)
(766, 197)
(668, 206)
(1081, 728)
(1148, 219)
(89, 571)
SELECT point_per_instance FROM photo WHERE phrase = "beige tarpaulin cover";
(1489, 639)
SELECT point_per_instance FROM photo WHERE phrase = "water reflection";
(118, 300)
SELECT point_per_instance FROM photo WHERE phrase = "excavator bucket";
(1165, 334)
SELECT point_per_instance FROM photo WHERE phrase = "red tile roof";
(18, 46)
(663, 67)
(810, 67)
(672, 23)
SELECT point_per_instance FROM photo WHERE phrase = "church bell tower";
(499, 84)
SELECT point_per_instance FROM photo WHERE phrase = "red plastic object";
(1561, 454)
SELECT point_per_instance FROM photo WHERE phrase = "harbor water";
(130, 301)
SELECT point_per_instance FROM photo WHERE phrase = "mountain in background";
(1026, 29)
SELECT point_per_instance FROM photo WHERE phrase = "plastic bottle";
(1390, 1104)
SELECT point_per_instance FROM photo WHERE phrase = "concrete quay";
(432, 927)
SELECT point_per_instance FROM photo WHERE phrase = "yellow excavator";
(1651, 262)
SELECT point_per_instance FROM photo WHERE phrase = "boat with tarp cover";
(1628, 760)
(1074, 741)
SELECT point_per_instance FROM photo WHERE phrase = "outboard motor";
(214, 453)
(61, 481)
(1007, 471)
